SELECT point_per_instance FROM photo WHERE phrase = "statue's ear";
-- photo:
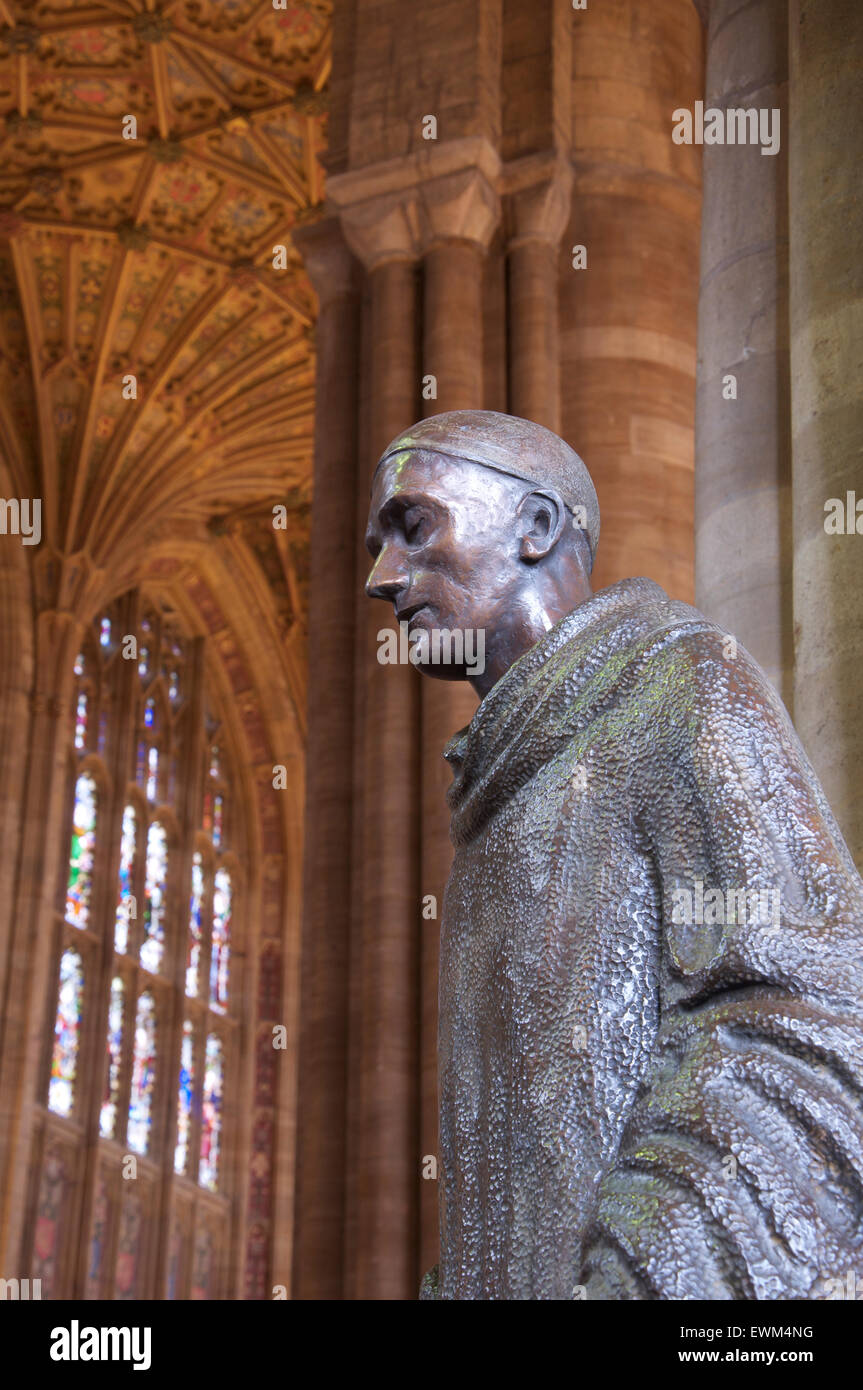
(541, 519)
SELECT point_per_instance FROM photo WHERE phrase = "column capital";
(537, 191)
(400, 208)
(329, 261)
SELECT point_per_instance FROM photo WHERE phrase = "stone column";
(742, 444)
(452, 352)
(417, 105)
(382, 1158)
(385, 1163)
(628, 318)
(826, 282)
(27, 1010)
(16, 679)
(460, 213)
(537, 212)
(443, 207)
(323, 1060)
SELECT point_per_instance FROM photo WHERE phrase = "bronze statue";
(651, 992)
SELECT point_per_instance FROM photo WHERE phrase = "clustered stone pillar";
(383, 1161)
(826, 315)
(320, 1208)
(15, 952)
(32, 957)
(412, 175)
(16, 675)
(461, 212)
(422, 242)
(628, 315)
(538, 210)
(742, 442)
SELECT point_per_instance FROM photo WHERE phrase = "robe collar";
(538, 704)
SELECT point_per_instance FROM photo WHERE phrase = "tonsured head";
(484, 522)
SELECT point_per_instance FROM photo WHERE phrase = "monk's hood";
(552, 692)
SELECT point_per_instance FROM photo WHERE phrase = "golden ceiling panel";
(151, 258)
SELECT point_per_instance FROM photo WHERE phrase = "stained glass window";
(184, 1098)
(81, 720)
(151, 733)
(80, 883)
(155, 878)
(177, 744)
(67, 1026)
(152, 773)
(173, 658)
(108, 1114)
(126, 905)
(221, 945)
(213, 799)
(193, 957)
(211, 1115)
(143, 1075)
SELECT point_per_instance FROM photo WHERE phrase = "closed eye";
(414, 524)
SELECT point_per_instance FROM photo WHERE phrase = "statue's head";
(481, 523)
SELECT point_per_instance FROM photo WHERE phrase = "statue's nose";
(387, 579)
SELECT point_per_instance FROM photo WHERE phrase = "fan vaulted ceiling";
(154, 257)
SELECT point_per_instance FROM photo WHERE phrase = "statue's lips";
(409, 612)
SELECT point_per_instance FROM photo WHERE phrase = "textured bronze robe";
(631, 1104)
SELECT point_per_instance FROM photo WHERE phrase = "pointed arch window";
(108, 1113)
(220, 953)
(86, 670)
(95, 672)
(79, 884)
(215, 794)
(195, 942)
(185, 1098)
(147, 916)
(155, 889)
(126, 908)
(150, 747)
(211, 1122)
(81, 713)
(67, 1034)
(143, 1075)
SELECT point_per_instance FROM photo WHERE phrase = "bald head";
(512, 446)
(465, 545)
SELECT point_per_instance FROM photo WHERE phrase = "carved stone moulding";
(402, 207)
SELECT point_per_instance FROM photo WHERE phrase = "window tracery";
(149, 906)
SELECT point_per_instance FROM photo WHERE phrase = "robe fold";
(651, 985)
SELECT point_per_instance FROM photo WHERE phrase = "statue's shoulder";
(687, 667)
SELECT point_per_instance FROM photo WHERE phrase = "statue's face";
(446, 551)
